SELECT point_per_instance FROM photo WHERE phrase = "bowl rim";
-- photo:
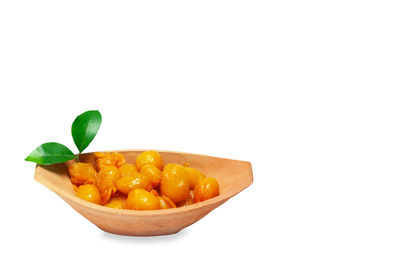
(96, 207)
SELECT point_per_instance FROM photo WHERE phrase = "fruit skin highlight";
(175, 183)
(136, 180)
(140, 199)
(106, 179)
(116, 203)
(153, 173)
(194, 176)
(89, 192)
(149, 157)
(82, 173)
(205, 189)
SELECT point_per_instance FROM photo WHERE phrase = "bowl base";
(139, 233)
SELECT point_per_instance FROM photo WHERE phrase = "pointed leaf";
(50, 153)
(84, 128)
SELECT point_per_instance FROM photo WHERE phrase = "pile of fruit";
(145, 185)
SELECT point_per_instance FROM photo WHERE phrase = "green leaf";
(85, 128)
(50, 153)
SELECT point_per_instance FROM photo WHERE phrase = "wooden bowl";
(233, 176)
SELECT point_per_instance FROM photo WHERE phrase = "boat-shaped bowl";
(232, 175)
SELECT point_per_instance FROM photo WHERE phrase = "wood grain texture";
(232, 175)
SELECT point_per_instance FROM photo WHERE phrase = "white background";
(307, 91)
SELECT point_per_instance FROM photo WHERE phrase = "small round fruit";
(109, 159)
(127, 170)
(205, 189)
(109, 172)
(89, 192)
(165, 202)
(136, 180)
(169, 201)
(194, 176)
(106, 179)
(140, 199)
(149, 157)
(82, 173)
(175, 183)
(153, 173)
(116, 203)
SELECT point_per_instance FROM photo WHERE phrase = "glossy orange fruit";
(175, 183)
(194, 176)
(149, 157)
(205, 189)
(140, 199)
(108, 159)
(127, 170)
(116, 202)
(165, 202)
(106, 178)
(136, 180)
(89, 192)
(82, 173)
(153, 173)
